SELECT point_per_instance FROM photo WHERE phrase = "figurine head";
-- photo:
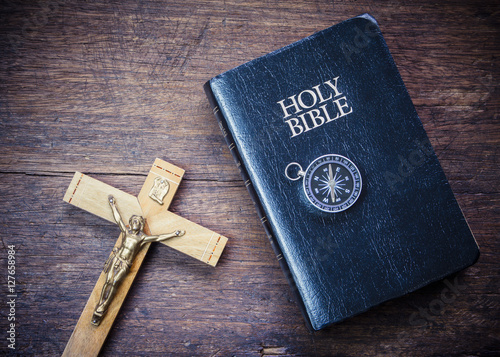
(136, 223)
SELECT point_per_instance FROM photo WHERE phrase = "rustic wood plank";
(104, 88)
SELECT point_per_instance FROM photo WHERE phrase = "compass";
(332, 183)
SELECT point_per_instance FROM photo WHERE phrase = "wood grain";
(105, 87)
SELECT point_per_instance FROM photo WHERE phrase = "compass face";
(332, 183)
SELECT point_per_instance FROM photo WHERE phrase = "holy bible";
(341, 171)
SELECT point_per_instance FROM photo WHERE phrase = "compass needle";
(331, 183)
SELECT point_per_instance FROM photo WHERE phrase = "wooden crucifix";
(151, 205)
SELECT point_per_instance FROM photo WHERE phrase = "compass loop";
(300, 172)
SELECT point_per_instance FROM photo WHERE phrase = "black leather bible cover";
(339, 92)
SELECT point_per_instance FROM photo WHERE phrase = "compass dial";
(332, 183)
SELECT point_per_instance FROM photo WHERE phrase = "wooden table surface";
(105, 87)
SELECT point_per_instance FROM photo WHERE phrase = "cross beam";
(92, 195)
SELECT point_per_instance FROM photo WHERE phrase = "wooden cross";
(152, 203)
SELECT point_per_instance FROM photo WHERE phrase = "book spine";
(255, 199)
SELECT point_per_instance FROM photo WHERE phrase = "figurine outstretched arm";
(116, 214)
(163, 237)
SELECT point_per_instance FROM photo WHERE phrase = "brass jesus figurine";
(121, 259)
